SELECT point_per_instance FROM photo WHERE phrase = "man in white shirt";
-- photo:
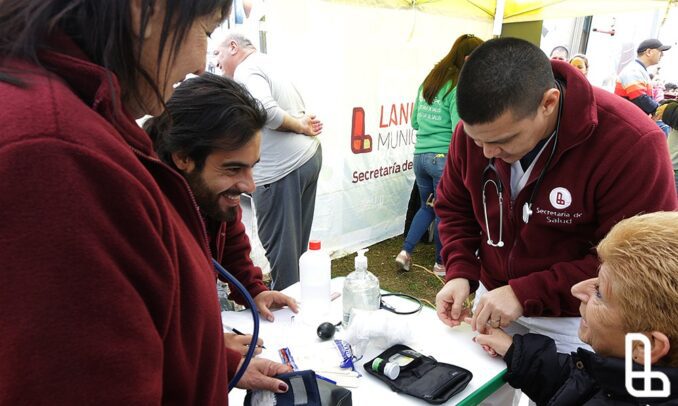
(291, 157)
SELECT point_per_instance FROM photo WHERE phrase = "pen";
(325, 379)
(238, 332)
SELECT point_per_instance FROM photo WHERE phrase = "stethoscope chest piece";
(527, 212)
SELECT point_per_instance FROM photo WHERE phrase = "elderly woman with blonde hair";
(636, 291)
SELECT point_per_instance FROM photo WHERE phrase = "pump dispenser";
(360, 261)
(361, 289)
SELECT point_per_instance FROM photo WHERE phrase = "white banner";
(358, 69)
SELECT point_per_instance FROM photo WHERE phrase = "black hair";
(101, 28)
(205, 113)
(504, 74)
(670, 114)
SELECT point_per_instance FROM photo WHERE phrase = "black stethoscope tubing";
(388, 307)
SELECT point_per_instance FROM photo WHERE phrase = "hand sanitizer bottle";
(361, 289)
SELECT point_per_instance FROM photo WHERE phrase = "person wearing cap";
(634, 81)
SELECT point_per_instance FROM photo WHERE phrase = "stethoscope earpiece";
(527, 212)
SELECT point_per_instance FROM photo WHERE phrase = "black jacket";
(580, 378)
(670, 115)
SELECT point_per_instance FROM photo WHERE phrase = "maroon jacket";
(231, 247)
(613, 161)
(106, 288)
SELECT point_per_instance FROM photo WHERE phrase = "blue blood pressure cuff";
(305, 389)
(410, 372)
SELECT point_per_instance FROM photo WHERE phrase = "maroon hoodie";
(107, 293)
(611, 162)
(231, 247)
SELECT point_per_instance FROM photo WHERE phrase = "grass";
(419, 281)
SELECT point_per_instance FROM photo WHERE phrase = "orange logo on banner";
(360, 142)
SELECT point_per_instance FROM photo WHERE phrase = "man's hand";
(450, 302)
(310, 125)
(495, 341)
(497, 308)
(269, 299)
(241, 343)
(258, 376)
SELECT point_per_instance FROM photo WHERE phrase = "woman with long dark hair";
(434, 117)
(106, 287)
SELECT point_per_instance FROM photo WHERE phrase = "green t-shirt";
(435, 122)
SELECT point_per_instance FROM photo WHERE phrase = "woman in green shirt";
(434, 117)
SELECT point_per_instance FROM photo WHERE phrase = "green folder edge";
(484, 391)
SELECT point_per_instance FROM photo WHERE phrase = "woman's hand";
(241, 343)
(495, 341)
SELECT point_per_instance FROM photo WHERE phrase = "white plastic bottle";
(361, 289)
(314, 277)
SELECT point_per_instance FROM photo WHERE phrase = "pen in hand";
(240, 333)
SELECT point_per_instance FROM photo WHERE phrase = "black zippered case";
(422, 377)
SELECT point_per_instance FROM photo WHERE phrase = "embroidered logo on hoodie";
(560, 198)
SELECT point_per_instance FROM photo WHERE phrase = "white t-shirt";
(281, 152)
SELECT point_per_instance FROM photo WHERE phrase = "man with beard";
(210, 132)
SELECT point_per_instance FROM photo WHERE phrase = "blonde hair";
(578, 60)
(641, 256)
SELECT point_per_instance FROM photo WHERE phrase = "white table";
(431, 337)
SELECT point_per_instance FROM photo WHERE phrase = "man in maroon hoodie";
(541, 167)
(211, 133)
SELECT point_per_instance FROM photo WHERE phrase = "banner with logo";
(358, 69)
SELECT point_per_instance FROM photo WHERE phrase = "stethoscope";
(499, 186)
(255, 318)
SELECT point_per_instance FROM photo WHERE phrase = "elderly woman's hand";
(495, 341)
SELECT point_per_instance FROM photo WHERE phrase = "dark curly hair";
(205, 113)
